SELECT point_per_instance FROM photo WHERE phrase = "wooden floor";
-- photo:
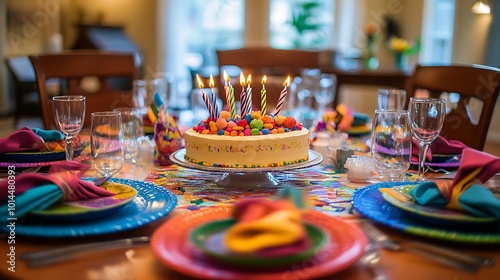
(7, 126)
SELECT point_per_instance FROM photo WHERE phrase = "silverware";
(101, 180)
(371, 258)
(51, 256)
(442, 255)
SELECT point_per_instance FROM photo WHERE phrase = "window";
(437, 31)
(314, 19)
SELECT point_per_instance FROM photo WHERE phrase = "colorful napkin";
(38, 191)
(29, 140)
(465, 192)
(440, 146)
(272, 228)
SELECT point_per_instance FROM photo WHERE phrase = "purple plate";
(443, 161)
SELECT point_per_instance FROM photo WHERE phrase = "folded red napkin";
(23, 140)
(38, 191)
(465, 192)
(439, 146)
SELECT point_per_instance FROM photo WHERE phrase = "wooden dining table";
(141, 263)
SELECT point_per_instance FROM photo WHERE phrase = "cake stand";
(259, 177)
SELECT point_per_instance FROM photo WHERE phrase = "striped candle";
(249, 95)
(243, 96)
(230, 89)
(281, 100)
(215, 113)
(263, 97)
(205, 97)
(226, 90)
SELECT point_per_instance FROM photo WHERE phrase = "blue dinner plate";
(370, 203)
(151, 203)
(24, 157)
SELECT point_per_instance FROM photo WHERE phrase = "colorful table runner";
(329, 190)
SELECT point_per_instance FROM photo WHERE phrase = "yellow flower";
(399, 44)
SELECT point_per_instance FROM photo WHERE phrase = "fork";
(51, 256)
(372, 259)
(442, 255)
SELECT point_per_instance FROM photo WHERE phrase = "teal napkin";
(476, 199)
(465, 192)
(34, 199)
(48, 135)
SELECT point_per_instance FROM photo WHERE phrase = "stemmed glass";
(69, 115)
(427, 119)
(325, 93)
(106, 142)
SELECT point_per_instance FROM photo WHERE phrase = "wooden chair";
(105, 78)
(276, 64)
(23, 77)
(470, 82)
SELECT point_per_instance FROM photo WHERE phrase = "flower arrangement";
(401, 48)
(371, 61)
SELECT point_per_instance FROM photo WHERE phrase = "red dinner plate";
(170, 243)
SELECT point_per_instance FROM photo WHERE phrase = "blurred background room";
(180, 39)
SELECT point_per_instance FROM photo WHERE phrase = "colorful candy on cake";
(253, 140)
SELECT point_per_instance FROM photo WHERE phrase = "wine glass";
(106, 142)
(391, 144)
(69, 115)
(325, 93)
(427, 119)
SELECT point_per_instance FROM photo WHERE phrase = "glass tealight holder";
(359, 169)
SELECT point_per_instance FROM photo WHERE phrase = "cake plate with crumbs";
(259, 177)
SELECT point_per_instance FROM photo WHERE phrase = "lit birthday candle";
(249, 95)
(281, 100)
(263, 97)
(243, 96)
(205, 97)
(230, 90)
(226, 90)
(214, 99)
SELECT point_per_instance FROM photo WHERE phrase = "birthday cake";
(250, 142)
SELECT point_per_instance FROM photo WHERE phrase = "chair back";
(23, 77)
(104, 78)
(477, 86)
(276, 64)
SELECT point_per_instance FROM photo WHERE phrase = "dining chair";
(477, 86)
(276, 64)
(23, 77)
(104, 78)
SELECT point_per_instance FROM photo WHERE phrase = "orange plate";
(170, 243)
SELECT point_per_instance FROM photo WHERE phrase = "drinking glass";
(391, 99)
(427, 119)
(391, 144)
(132, 127)
(69, 115)
(106, 142)
(325, 93)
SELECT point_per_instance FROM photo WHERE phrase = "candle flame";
(226, 77)
(242, 79)
(264, 79)
(211, 84)
(200, 83)
(287, 81)
(249, 79)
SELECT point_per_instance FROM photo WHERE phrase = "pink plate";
(171, 245)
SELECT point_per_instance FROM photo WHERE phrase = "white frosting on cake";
(247, 151)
